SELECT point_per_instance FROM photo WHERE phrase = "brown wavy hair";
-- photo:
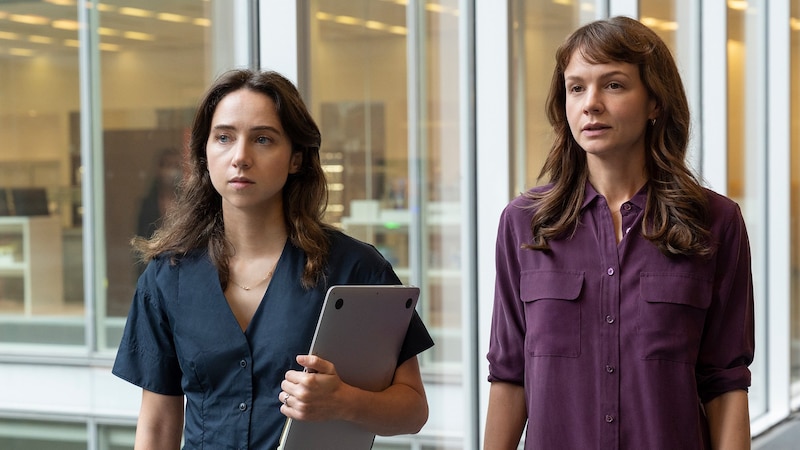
(676, 215)
(195, 222)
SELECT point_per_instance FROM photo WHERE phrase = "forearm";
(400, 409)
(160, 424)
(729, 421)
(506, 416)
(157, 437)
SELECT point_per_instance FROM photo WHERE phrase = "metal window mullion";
(469, 270)
(628, 8)
(91, 150)
(714, 100)
(415, 48)
(493, 107)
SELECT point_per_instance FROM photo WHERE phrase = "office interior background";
(432, 117)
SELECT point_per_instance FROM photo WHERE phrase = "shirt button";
(243, 363)
(610, 271)
(243, 406)
(626, 206)
(610, 319)
(610, 369)
(609, 418)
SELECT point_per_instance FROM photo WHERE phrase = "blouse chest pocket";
(552, 312)
(671, 315)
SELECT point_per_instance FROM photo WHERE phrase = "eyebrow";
(226, 127)
(609, 74)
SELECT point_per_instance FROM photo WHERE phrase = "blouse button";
(626, 206)
(243, 363)
(610, 369)
(242, 406)
(610, 271)
(609, 319)
(609, 418)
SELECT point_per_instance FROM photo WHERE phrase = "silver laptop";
(360, 330)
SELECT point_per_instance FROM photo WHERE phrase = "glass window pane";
(389, 109)
(538, 29)
(41, 273)
(154, 66)
(746, 157)
(111, 437)
(674, 22)
(795, 199)
(36, 435)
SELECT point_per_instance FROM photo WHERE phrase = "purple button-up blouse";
(618, 345)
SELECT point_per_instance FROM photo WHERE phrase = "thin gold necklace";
(247, 288)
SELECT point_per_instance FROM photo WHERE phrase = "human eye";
(263, 140)
(223, 138)
(574, 88)
(614, 85)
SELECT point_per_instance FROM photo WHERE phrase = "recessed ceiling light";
(29, 19)
(169, 17)
(20, 52)
(109, 47)
(136, 12)
(40, 39)
(138, 36)
(69, 25)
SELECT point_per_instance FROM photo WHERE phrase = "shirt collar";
(639, 199)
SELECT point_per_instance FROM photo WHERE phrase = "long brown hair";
(676, 214)
(196, 220)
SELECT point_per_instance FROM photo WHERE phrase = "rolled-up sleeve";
(728, 343)
(507, 336)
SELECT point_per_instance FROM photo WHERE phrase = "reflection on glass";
(746, 167)
(40, 241)
(660, 17)
(153, 62)
(795, 199)
(538, 29)
(154, 67)
(389, 109)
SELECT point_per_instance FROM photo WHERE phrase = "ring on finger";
(286, 396)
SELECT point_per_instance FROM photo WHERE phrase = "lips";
(240, 182)
(595, 127)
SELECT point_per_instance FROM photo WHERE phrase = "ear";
(295, 162)
(655, 111)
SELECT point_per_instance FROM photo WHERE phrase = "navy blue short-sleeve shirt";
(181, 338)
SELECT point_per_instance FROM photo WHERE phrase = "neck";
(254, 237)
(617, 183)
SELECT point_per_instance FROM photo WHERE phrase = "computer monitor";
(29, 202)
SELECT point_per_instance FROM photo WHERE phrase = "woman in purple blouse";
(623, 311)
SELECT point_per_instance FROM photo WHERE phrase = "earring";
(652, 122)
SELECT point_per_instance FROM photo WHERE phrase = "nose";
(592, 102)
(241, 156)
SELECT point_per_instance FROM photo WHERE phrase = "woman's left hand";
(314, 394)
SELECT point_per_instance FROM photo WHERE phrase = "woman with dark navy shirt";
(623, 310)
(227, 306)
